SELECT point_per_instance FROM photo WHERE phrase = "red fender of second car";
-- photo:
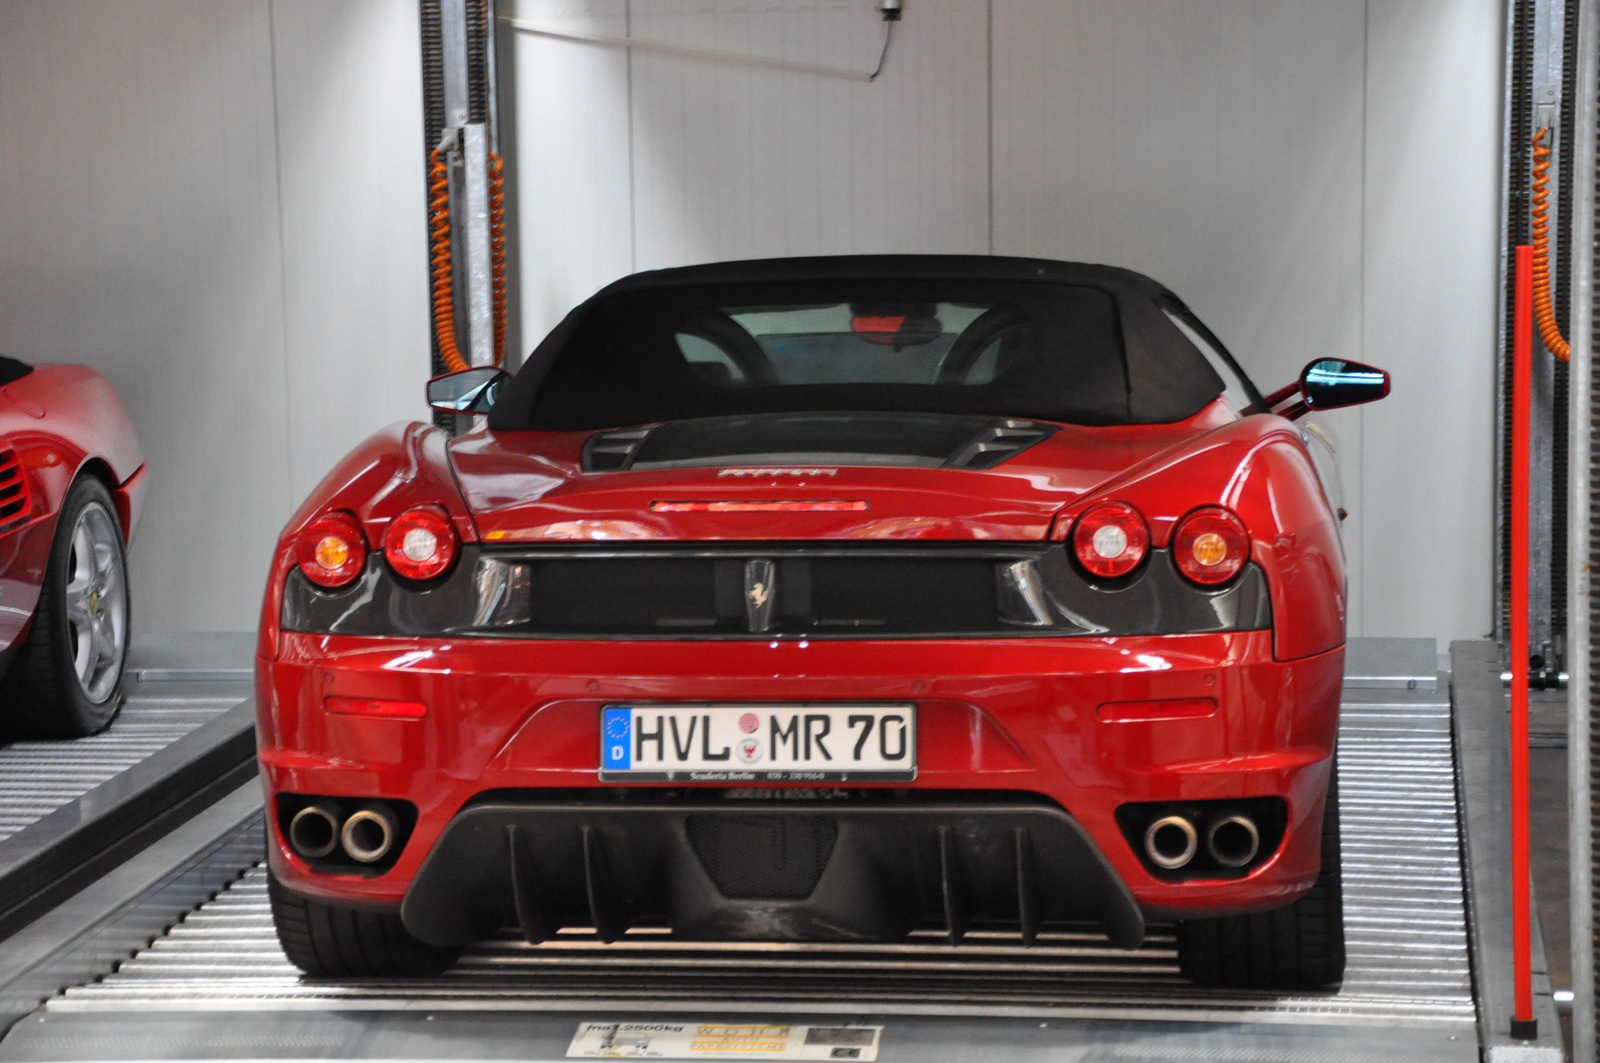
(61, 420)
(1259, 468)
(397, 467)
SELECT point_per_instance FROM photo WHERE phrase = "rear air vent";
(995, 444)
(614, 451)
(15, 504)
(821, 440)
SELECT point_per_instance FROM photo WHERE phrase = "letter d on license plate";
(758, 743)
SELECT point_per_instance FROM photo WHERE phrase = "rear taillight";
(333, 551)
(1210, 546)
(1111, 539)
(421, 544)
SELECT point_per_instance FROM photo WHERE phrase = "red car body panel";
(993, 715)
(60, 420)
(1020, 714)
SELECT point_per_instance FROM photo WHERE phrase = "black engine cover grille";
(841, 595)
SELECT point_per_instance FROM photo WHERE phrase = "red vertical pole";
(1522, 1021)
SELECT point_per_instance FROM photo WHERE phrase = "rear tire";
(328, 941)
(82, 617)
(1300, 946)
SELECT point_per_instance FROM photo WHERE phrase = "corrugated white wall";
(218, 203)
(1315, 177)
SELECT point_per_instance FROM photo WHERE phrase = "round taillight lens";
(421, 543)
(333, 551)
(1111, 539)
(1210, 546)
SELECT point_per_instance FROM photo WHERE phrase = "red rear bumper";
(1017, 714)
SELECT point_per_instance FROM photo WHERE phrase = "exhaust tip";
(368, 834)
(1171, 842)
(1233, 841)
(314, 831)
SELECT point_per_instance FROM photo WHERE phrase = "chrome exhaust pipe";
(1233, 841)
(368, 834)
(1171, 842)
(314, 830)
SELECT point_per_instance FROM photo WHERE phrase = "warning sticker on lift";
(722, 1040)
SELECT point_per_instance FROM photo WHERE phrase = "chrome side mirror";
(467, 391)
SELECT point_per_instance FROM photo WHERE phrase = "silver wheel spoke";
(96, 602)
(83, 656)
(78, 611)
(105, 641)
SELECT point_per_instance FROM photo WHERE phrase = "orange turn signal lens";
(333, 550)
(394, 710)
(1210, 546)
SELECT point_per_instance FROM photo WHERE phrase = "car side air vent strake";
(614, 451)
(1005, 439)
(15, 503)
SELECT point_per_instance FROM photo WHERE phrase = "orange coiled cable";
(1543, 309)
(497, 251)
(444, 289)
(442, 260)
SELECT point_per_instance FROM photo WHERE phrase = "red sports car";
(822, 599)
(71, 487)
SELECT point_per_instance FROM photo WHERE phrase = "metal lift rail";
(216, 984)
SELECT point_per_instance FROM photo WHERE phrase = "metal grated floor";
(1405, 916)
(36, 778)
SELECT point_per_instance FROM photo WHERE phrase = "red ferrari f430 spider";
(821, 600)
(71, 487)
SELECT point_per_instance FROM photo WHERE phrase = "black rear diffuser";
(764, 870)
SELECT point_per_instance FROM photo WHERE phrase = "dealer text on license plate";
(758, 743)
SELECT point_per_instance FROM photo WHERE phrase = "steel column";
(1583, 490)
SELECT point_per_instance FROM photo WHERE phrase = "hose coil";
(442, 260)
(1543, 309)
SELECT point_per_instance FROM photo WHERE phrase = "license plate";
(758, 743)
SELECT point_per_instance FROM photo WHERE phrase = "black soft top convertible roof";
(1166, 378)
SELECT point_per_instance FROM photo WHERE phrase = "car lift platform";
(1421, 984)
(70, 810)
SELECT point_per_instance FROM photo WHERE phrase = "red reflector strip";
(856, 506)
(1175, 709)
(394, 710)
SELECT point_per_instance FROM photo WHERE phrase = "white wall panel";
(571, 166)
(141, 236)
(734, 161)
(355, 249)
(1431, 230)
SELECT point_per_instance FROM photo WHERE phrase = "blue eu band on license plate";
(758, 743)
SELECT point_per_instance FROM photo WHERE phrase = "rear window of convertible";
(1044, 350)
